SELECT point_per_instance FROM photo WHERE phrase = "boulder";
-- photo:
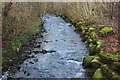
(105, 59)
(116, 66)
(106, 31)
(87, 61)
(44, 51)
(98, 75)
(108, 58)
(96, 62)
(94, 49)
(91, 29)
(109, 74)
(99, 27)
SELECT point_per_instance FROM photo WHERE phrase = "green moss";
(91, 29)
(92, 34)
(93, 49)
(99, 43)
(87, 36)
(106, 31)
(90, 40)
(85, 22)
(90, 37)
(83, 32)
(116, 66)
(96, 63)
(105, 58)
(87, 61)
(116, 77)
(98, 75)
(108, 58)
(115, 57)
(99, 27)
(79, 23)
(109, 74)
(92, 45)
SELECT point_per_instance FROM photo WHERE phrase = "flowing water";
(64, 53)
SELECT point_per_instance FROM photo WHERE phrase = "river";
(64, 52)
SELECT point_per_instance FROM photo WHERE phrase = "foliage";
(8, 54)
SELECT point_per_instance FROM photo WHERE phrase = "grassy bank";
(12, 48)
(19, 24)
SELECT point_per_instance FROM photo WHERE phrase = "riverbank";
(17, 50)
(19, 25)
(99, 61)
(105, 58)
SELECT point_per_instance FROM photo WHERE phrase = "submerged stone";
(44, 51)
(36, 52)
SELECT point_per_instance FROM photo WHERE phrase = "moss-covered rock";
(91, 37)
(80, 23)
(109, 74)
(116, 77)
(105, 59)
(92, 34)
(91, 29)
(116, 66)
(89, 40)
(87, 61)
(99, 27)
(106, 31)
(44, 51)
(109, 58)
(93, 49)
(114, 57)
(99, 45)
(98, 75)
(100, 42)
(96, 62)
